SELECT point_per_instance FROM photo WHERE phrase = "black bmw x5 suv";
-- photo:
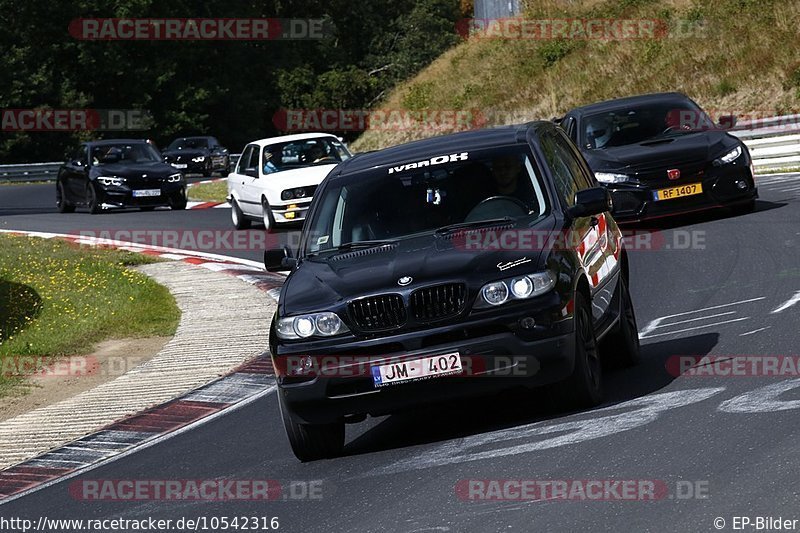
(460, 265)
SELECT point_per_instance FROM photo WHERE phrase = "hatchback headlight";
(731, 156)
(516, 288)
(111, 180)
(175, 178)
(198, 159)
(613, 177)
(317, 324)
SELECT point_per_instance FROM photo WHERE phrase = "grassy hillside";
(734, 55)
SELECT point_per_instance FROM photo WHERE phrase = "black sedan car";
(661, 155)
(119, 173)
(198, 155)
(454, 266)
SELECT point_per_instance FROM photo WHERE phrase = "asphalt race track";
(723, 446)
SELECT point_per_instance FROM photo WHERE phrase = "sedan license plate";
(180, 165)
(146, 193)
(416, 369)
(689, 189)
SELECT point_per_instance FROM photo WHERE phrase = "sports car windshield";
(124, 153)
(443, 193)
(642, 123)
(303, 153)
(190, 143)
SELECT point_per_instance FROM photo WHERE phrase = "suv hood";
(188, 152)
(134, 170)
(321, 283)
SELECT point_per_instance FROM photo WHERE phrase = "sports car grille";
(376, 313)
(438, 302)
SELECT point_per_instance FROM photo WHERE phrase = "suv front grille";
(375, 313)
(438, 302)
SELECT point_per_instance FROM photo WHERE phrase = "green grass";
(57, 299)
(741, 56)
(209, 192)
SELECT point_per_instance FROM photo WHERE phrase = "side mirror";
(727, 122)
(252, 172)
(590, 202)
(279, 259)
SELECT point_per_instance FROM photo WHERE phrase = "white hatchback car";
(275, 178)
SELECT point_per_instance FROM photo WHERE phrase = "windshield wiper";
(362, 245)
(445, 230)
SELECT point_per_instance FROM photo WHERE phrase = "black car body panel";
(686, 156)
(198, 155)
(148, 183)
(429, 284)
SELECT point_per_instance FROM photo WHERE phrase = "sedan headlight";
(613, 177)
(111, 180)
(731, 156)
(516, 288)
(291, 194)
(175, 178)
(317, 324)
(198, 159)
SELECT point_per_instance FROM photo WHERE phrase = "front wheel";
(312, 442)
(92, 202)
(237, 217)
(61, 200)
(178, 202)
(584, 388)
(621, 347)
(266, 216)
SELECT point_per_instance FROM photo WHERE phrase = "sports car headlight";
(111, 180)
(198, 159)
(613, 177)
(731, 156)
(516, 288)
(318, 324)
(175, 178)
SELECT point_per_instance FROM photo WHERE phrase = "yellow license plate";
(689, 189)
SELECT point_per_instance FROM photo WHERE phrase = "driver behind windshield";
(509, 176)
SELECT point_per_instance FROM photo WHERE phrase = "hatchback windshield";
(470, 188)
(188, 143)
(638, 124)
(128, 153)
(308, 152)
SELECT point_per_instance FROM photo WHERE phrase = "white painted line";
(694, 328)
(787, 304)
(754, 331)
(653, 324)
(158, 439)
(695, 319)
(714, 307)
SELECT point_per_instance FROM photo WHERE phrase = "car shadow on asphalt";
(453, 420)
(700, 217)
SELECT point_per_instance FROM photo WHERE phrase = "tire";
(237, 217)
(61, 200)
(208, 170)
(620, 348)
(177, 202)
(92, 202)
(266, 216)
(224, 173)
(584, 388)
(312, 442)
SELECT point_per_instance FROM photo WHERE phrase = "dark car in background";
(661, 154)
(198, 155)
(460, 265)
(118, 173)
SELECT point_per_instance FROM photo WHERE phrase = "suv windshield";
(305, 153)
(384, 203)
(637, 124)
(128, 153)
(190, 143)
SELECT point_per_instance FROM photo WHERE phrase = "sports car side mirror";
(279, 259)
(590, 202)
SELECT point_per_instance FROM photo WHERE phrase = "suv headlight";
(613, 177)
(198, 159)
(317, 324)
(731, 156)
(175, 178)
(516, 288)
(111, 180)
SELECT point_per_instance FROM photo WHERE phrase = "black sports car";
(660, 155)
(121, 173)
(201, 155)
(453, 266)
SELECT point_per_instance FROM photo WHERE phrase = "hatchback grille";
(438, 302)
(375, 313)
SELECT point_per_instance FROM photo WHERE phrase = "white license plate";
(416, 369)
(180, 165)
(147, 193)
